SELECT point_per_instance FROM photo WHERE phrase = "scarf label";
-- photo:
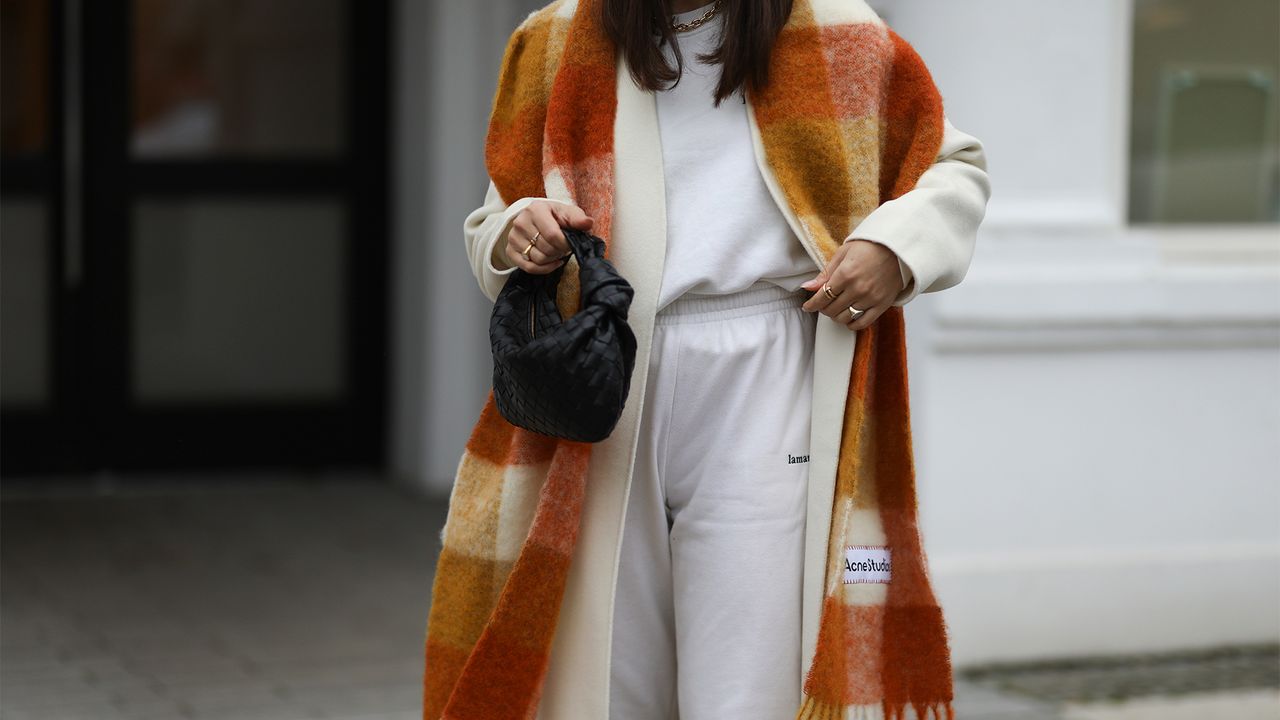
(866, 564)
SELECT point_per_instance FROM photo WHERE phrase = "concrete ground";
(1235, 705)
(1241, 682)
(282, 599)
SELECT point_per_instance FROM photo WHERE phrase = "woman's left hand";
(861, 273)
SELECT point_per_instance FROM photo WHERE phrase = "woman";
(722, 468)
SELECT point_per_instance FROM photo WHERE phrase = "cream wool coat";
(931, 228)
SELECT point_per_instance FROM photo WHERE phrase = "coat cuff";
(495, 248)
(932, 228)
(907, 291)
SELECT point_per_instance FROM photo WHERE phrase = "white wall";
(1096, 407)
(447, 60)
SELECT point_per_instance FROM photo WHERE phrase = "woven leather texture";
(564, 378)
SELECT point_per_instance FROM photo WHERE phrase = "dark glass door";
(195, 237)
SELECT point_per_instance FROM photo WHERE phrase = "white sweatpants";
(707, 614)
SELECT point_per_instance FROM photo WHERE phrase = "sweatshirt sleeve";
(485, 231)
(933, 227)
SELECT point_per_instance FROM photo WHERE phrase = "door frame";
(93, 424)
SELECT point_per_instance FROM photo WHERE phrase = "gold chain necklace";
(685, 27)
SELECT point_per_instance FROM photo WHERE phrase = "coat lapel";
(833, 357)
(581, 648)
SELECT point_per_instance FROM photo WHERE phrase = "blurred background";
(242, 350)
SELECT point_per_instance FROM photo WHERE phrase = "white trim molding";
(1087, 288)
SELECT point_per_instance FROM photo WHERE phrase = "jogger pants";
(707, 613)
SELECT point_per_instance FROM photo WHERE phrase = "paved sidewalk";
(1241, 682)
(266, 601)
(1234, 705)
(274, 599)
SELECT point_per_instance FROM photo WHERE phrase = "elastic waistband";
(763, 296)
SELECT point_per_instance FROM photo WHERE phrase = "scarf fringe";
(815, 709)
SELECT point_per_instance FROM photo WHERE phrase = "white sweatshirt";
(724, 231)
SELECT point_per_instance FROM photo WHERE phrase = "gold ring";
(827, 289)
(525, 252)
(537, 235)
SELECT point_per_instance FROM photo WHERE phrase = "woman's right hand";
(544, 218)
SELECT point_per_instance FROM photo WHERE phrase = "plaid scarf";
(850, 119)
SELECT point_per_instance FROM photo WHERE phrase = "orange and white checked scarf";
(851, 119)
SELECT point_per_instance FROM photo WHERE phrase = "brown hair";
(639, 27)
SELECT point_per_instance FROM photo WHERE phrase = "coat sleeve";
(933, 227)
(485, 231)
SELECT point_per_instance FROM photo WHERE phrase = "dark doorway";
(194, 234)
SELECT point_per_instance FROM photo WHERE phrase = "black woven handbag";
(564, 378)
